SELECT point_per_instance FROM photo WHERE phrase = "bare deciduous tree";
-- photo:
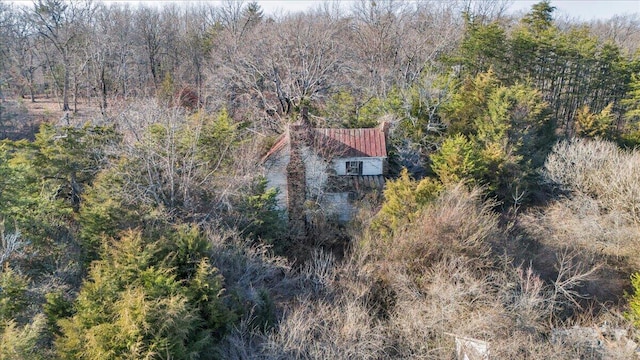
(60, 24)
(10, 244)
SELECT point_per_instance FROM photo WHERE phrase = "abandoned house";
(321, 172)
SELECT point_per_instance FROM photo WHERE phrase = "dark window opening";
(354, 168)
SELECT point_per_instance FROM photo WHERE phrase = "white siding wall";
(337, 204)
(276, 174)
(333, 204)
(370, 165)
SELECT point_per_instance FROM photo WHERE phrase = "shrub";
(458, 160)
(595, 217)
(13, 288)
(148, 299)
(593, 125)
(506, 133)
(600, 170)
(634, 300)
(457, 224)
(403, 199)
(20, 342)
(56, 307)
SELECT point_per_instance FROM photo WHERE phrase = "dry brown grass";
(407, 297)
(600, 170)
(456, 225)
(322, 330)
(598, 216)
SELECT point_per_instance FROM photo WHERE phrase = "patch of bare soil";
(20, 118)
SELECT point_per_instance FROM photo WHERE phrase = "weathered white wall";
(333, 205)
(276, 174)
(337, 205)
(370, 166)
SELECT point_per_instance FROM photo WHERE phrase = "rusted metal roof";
(282, 141)
(370, 142)
(352, 142)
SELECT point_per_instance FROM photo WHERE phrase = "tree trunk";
(74, 192)
(1, 103)
(75, 94)
(285, 102)
(104, 93)
(32, 87)
(65, 88)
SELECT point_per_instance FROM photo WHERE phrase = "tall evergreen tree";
(148, 299)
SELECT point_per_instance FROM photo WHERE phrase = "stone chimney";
(299, 134)
(384, 127)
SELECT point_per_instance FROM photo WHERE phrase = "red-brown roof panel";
(373, 143)
(353, 142)
(343, 142)
(368, 148)
(280, 144)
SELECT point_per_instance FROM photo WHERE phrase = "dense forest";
(136, 221)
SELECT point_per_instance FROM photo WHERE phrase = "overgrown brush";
(597, 216)
(456, 224)
(411, 294)
(600, 170)
(440, 275)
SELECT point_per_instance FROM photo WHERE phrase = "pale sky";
(579, 9)
(585, 9)
(576, 9)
